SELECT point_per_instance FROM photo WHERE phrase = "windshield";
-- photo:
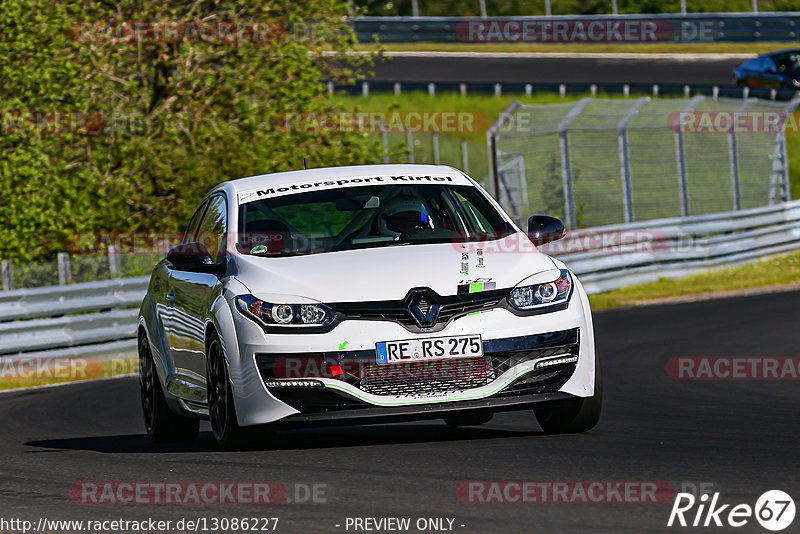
(367, 217)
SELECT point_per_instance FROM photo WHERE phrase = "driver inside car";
(402, 215)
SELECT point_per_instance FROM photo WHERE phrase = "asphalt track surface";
(740, 435)
(555, 70)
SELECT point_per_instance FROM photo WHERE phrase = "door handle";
(170, 297)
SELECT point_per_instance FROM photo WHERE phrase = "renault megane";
(362, 294)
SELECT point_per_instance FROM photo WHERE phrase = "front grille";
(434, 377)
(451, 307)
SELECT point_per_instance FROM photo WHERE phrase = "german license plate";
(388, 352)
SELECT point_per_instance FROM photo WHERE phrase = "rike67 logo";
(774, 510)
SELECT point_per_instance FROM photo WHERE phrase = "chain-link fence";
(604, 161)
(439, 149)
(76, 268)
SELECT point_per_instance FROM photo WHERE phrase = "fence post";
(7, 268)
(786, 191)
(64, 276)
(464, 157)
(410, 146)
(680, 155)
(779, 185)
(733, 154)
(494, 174)
(435, 148)
(491, 147)
(624, 156)
(776, 183)
(113, 260)
(566, 161)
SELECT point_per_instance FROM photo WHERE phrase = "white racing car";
(362, 294)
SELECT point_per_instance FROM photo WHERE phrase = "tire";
(162, 424)
(575, 415)
(221, 407)
(468, 419)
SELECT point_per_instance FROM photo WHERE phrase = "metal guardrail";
(93, 319)
(367, 87)
(51, 323)
(613, 256)
(76, 298)
(694, 27)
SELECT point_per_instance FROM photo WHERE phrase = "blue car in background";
(776, 69)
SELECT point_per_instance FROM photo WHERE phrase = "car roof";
(328, 173)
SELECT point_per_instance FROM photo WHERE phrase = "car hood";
(388, 273)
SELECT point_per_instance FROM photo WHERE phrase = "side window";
(194, 222)
(211, 231)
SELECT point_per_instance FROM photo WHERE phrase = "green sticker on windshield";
(259, 249)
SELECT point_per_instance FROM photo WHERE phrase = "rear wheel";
(221, 408)
(468, 419)
(162, 424)
(575, 415)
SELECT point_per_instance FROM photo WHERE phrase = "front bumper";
(513, 345)
(539, 363)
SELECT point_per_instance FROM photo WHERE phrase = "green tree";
(167, 118)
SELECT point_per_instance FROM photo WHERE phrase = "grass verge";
(774, 272)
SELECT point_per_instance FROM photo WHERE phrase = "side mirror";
(193, 257)
(544, 229)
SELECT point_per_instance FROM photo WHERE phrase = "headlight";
(542, 295)
(796, 83)
(284, 314)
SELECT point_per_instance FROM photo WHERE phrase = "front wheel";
(574, 415)
(162, 424)
(221, 408)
